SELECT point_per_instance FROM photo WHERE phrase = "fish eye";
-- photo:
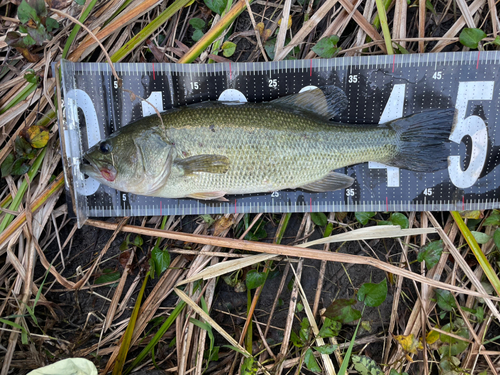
(105, 147)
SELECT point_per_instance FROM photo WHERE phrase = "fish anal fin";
(326, 101)
(212, 196)
(204, 163)
(332, 181)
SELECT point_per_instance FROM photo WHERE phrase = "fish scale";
(379, 89)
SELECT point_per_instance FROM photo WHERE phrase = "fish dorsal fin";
(203, 163)
(326, 101)
(332, 181)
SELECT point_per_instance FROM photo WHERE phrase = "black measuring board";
(379, 89)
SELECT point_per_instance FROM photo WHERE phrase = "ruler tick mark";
(154, 72)
(386, 204)
(393, 62)
(311, 68)
(477, 64)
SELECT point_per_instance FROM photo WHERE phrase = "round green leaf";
(197, 35)
(217, 6)
(445, 300)
(7, 165)
(228, 48)
(365, 365)
(364, 217)
(319, 218)
(51, 24)
(471, 37)
(341, 310)
(161, 259)
(496, 238)
(481, 237)
(107, 276)
(25, 12)
(327, 47)
(399, 219)
(19, 167)
(255, 279)
(197, 23)
(373, 295)
(310, 361)
(326, 349)
(431, 253)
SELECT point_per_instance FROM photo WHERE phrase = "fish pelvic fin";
(421, 140)
(203, 163)
(214, 196)
(325, 102)
(332, 181)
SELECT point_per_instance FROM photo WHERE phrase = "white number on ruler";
(115, 84)
(474, 127)
(273, 83)
(124, 197)
(349, 192)
(156, 99)
(353, 78)
(437, 75)
(83, 101)
(393, 110)
(275, 194)
(428, 191)
(195, 85)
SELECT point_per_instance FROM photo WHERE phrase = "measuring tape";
(379, 89)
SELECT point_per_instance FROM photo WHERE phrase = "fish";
(210, 150)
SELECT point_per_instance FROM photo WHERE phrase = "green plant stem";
(127, 337)
(481, 258)
(280, 235)
(16, 202)
(163, 223)
(376, 20)
(157, 337)
(249, 334)
(148, 30)
(77, 27)
(385, 26)
(19, 97)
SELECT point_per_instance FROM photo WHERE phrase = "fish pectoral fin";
(213, 196)
(332, 181)
(204, 163)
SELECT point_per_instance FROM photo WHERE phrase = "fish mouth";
(97, 170)
(88, 168)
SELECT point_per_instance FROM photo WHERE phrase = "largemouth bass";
(213, 149)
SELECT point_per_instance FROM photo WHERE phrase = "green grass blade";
(281, 233)
(127, 337)
(23, 94)
(77, 27)
(22, 190)
(15, 325)
(347, 357)
(481, 258)
(385, 26)
(157, 337)
(148, 30)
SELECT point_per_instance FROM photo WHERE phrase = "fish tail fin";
(422, 139)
